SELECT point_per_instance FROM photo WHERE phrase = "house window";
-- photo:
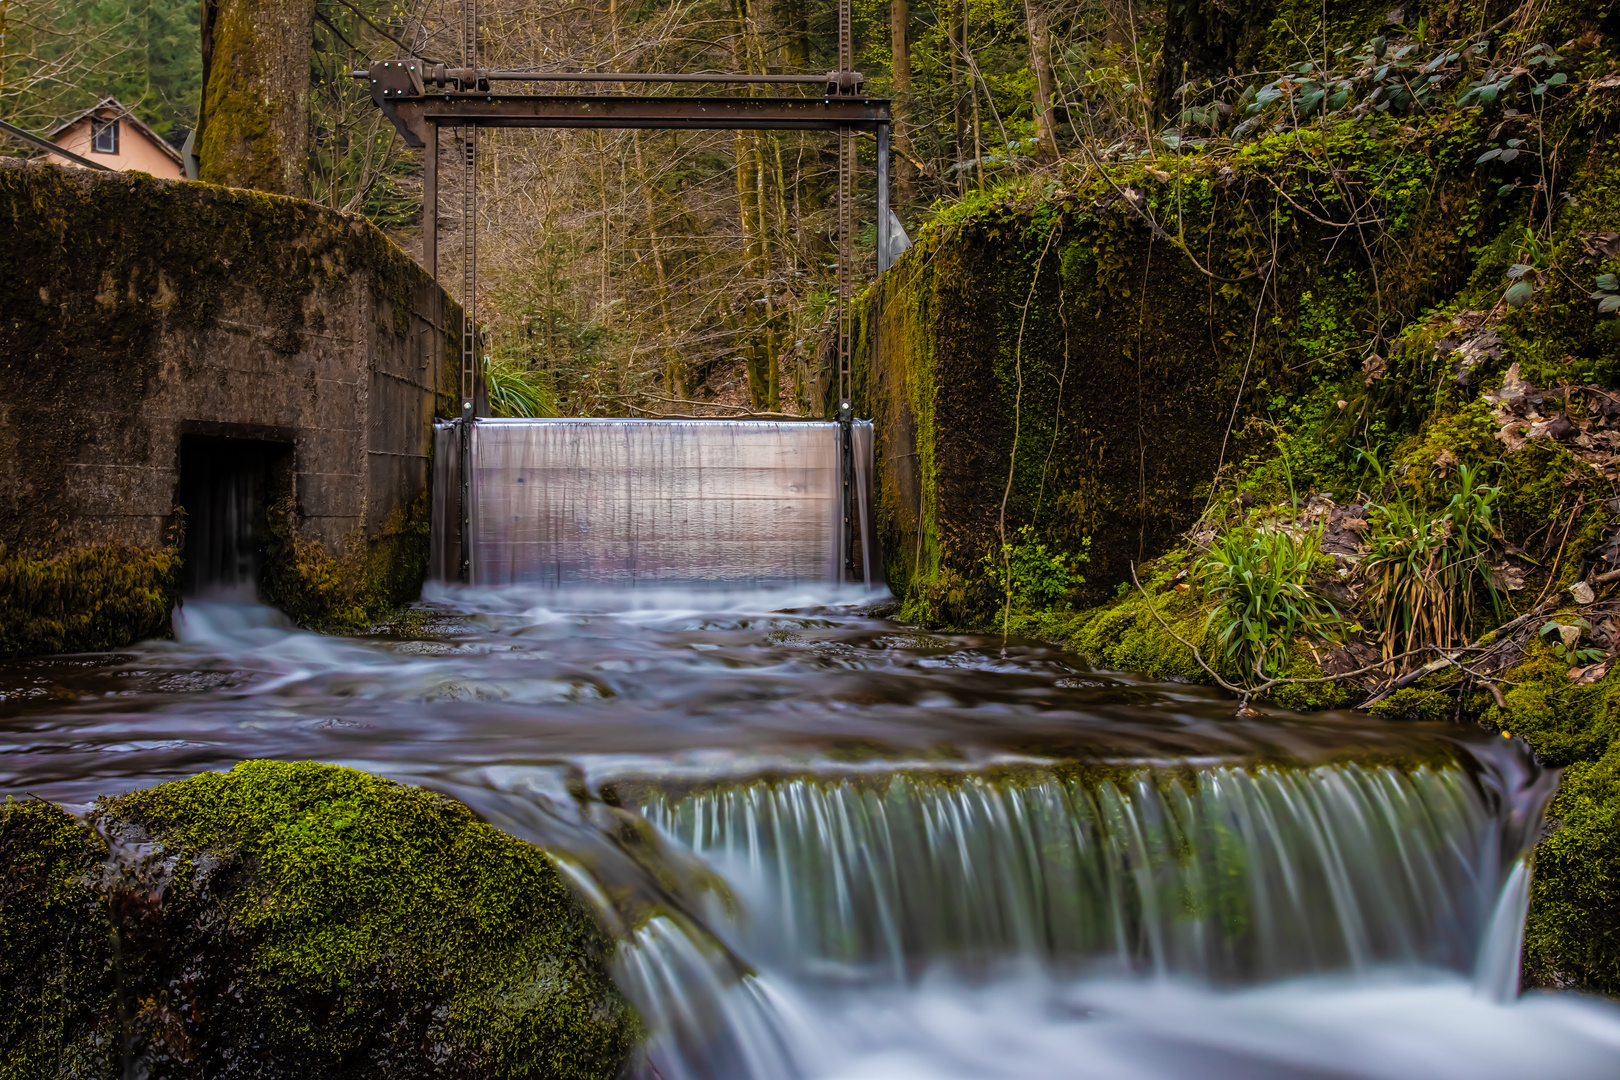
(103, 136)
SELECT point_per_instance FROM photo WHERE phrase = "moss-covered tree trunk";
(253, 127)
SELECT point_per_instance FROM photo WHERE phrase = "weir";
(625, 503)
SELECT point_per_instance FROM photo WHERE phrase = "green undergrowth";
(1572, 938)
(1375, 298)
(316, 920)
(341, 594)
(87, 599)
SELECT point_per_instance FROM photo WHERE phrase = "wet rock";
(309, 919)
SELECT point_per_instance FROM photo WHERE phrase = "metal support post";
(846, 255)
(846, 472)
(466, 426)
(430, 203)
(469, 265)
(885, 240)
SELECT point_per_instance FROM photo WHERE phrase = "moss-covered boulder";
(295, 920)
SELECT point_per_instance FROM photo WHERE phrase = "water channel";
(833, 846)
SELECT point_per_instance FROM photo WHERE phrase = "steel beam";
(413, 115)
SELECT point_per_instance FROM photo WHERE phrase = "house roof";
(123, 114)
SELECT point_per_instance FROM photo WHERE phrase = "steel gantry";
(420, 97)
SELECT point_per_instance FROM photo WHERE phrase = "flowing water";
(839, 847)
(651, 503)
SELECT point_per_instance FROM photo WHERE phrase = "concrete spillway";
(653, 502)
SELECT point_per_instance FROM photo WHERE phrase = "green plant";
(518, 391)
(1030, 576)
(1423, 569)
(1564, 638)
(1607, 294)
(1259, 579)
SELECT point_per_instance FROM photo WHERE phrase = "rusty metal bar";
(46, 144)
(717, 77)
(469, 264)
(651, 77)
(430, 203)
(846, 256)
(412, 115)
(885, 244)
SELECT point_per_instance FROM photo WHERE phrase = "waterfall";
(652, 502)
(1224, 874)
(1233, 876)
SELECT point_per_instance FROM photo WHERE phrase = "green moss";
(373, 578)
(313, 919)
(1572, 935)
(87, 599)
(1412, 703)
(56, 963)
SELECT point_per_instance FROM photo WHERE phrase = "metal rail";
(458, 74)
(46, 144)
(413, 116)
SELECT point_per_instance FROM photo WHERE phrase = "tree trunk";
(253, 127)
(900, 47)
(1040, 54)
(674, 370)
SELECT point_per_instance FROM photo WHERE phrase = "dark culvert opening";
(225, 487)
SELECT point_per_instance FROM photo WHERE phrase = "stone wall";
(139, 311)
(1063, 363)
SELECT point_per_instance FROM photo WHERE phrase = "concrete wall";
(137, 311)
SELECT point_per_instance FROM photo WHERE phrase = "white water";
(875, 853)
(655, 502)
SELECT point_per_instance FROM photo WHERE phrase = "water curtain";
(653, 502)
(1225, 874)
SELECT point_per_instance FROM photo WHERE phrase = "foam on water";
(869, 851)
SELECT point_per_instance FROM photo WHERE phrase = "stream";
(833, 846)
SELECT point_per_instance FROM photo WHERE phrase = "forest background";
(659, 272)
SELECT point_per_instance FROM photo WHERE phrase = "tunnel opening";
(227, 485)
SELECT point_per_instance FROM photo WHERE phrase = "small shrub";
(1030, 576)
(1258, 580)
(1423, 569)
(518, 391)
(1564, 638)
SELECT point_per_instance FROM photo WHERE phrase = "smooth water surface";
(877, 852)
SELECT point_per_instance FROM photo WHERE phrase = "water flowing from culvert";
(837, 847)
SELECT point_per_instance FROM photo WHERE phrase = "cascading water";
(569, 503)
(1227, 874)
(837, 848)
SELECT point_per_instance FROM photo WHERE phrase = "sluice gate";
(665, 502)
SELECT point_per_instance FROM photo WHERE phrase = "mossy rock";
(98, 597)
(1572, 935)
(288, 920)
(1414, 703)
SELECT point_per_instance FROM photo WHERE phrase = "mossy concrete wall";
(137, 311)
(1063, 356)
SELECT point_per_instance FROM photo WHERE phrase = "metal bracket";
(845, 83)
